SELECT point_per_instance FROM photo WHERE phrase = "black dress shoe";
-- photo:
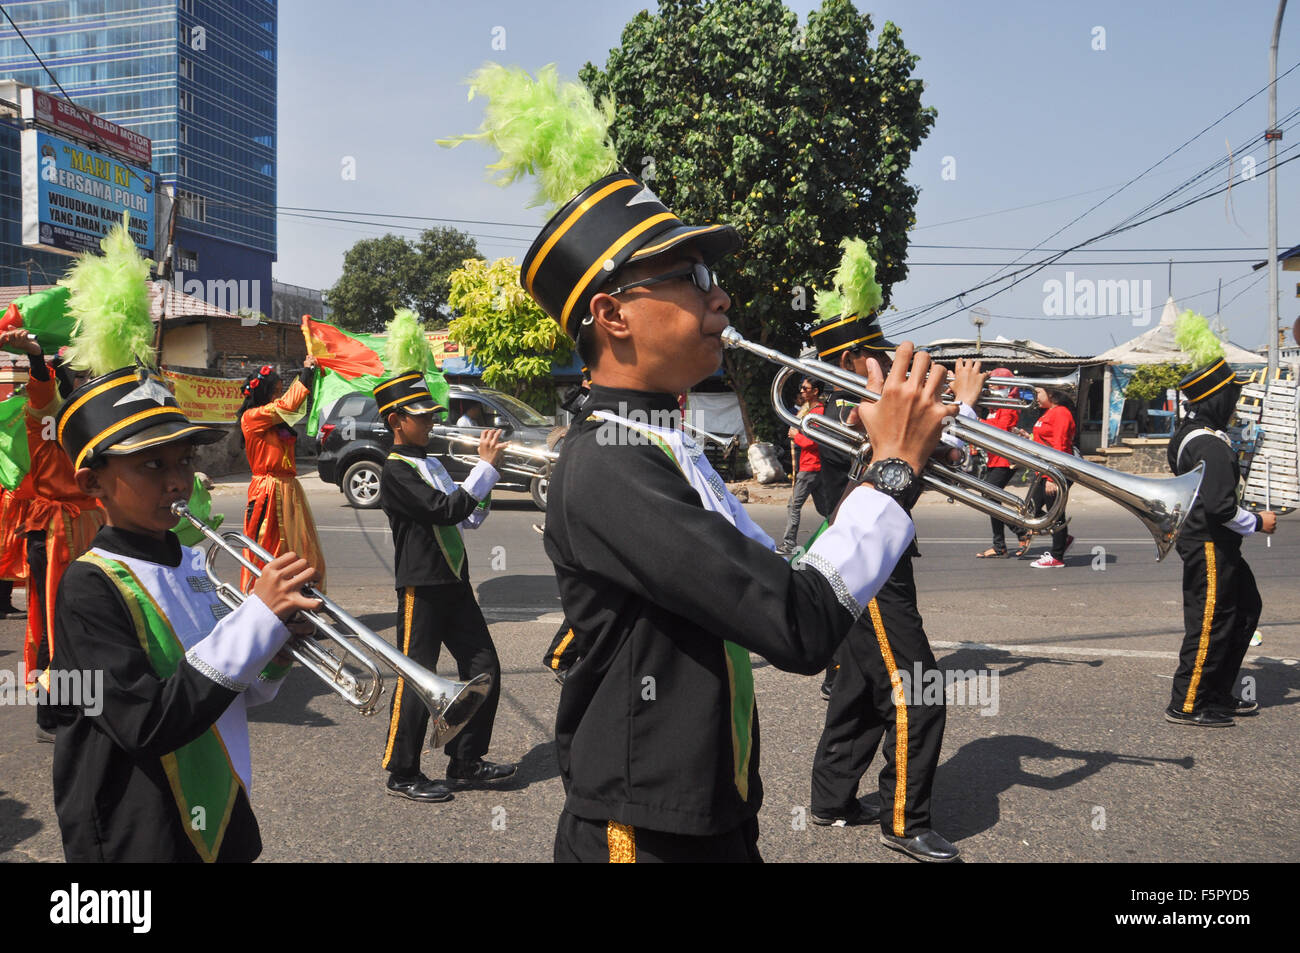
(927, 845)
(866, 810)
(1206, 718)
(1239, 706)
(418, 788)
(464, 774)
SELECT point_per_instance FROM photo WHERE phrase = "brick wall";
(236, 349)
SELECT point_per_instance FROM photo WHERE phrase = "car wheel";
(361, 484)
(555, 436)
(538, 490)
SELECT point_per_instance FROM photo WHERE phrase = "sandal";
(1025, 543)
(991, 553)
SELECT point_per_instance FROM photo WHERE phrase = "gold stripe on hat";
(569, 222)
(621, 243)
(407, 398)
(398, 380)
(122, 425)
(834, 324)
(1212, 368)
(651, 249)
(1226, 380)
(107, 385)
(165, 438)
(861, 340)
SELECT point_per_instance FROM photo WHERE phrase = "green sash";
(449, 539)
(200, 773)
(740, 670)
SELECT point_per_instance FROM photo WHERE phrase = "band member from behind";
(1221, 603)
(156, 765)
(435, 601)
(60, 518)
(278, 516)
(871, 701)
(999, 469)
(1054, 428)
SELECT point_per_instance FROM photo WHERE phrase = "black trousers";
(37, 567)
(1040, 500)
(886, 646)
(429, 617)
(579, 840)
(1221, 608)
(999, 477)
(555, 657)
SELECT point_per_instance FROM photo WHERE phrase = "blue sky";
(1030, 114)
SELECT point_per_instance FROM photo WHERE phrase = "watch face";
(894, 476)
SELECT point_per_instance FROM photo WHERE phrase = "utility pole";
(1273, 134)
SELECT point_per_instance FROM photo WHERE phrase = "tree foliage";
(1152, 380)
(799, 135)
(512, 339)
(383, 274)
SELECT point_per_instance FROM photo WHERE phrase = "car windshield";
(527, 416)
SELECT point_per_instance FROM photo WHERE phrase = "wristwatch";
(894, 477)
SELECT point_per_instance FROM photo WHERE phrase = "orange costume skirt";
(69, 531)
(279, 519)
(14, 511)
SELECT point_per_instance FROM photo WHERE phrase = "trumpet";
(1069, 385)
(528, 462)
(451, 704)
(1161, 504)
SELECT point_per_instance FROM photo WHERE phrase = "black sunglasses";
(698, 273)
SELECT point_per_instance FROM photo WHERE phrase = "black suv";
(354, 442)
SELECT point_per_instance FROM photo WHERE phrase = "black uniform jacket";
(414, 508)
(111, 793)
(1216, 504)
(652, 583)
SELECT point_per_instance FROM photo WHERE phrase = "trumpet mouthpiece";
(731, 337)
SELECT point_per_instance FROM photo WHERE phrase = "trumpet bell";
(452, 705)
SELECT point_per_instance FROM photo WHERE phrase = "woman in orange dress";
(13, 548)
(278, 515)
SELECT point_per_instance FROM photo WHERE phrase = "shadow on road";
(15, 827)
(290, 706)
(974, 777)
(1276, 683)
(963, 659)
(519, 591)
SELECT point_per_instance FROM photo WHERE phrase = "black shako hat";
(407, 392)
(1207, 379)
(611, 222)
(834, 337)
(123, 412)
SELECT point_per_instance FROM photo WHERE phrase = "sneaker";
(1069, 541)
(1047, 561)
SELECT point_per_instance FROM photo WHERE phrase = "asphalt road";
(1064, 755)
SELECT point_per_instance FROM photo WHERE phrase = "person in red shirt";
(999, 468)
(1056, 429)
(809, 467)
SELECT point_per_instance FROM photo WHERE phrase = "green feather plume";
(543, 127)
(407, 349)
(1193, 336)
(109, 300)
(856, 290)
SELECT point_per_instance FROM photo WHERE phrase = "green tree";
(383, 274)
(797, 135)
(1152, 380)
(511, 338)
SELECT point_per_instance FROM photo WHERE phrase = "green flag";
(44, 314)
(15, 461)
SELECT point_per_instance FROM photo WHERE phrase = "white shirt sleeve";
(947, 439)
(859, 550)
(1243, 522)
(240, 645)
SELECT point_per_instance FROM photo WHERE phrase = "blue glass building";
(198, 77)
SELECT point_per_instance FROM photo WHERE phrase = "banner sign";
(442, 347)
(72, 196)
(208, 400)
(68, 118)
